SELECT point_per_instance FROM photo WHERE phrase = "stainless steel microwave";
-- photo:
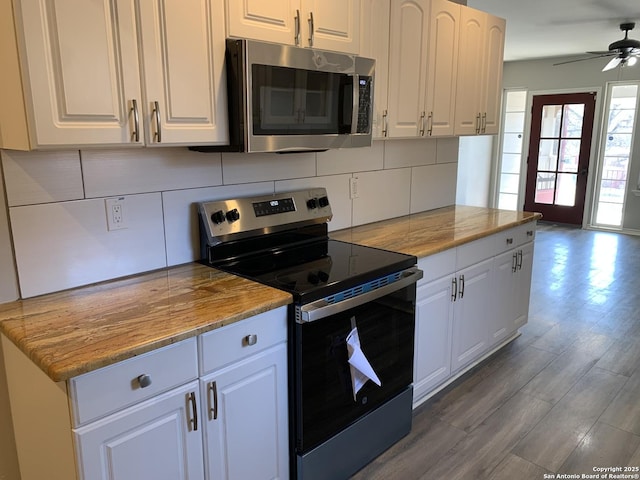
(290, 99)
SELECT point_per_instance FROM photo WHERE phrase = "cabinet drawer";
(478, 250)
(437, 265)
(112, 388)
(514, 237)
(238, 340)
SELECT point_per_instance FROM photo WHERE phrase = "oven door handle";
(321, 308)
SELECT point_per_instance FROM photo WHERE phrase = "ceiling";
(555, 28)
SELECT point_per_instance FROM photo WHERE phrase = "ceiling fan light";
(632, 61)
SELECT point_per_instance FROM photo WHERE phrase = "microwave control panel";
(364, 105)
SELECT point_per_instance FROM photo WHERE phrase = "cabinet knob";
(529, 233)
(250, 340)
(144, 380)
(509, 241)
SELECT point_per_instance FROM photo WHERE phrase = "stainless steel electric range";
(351, 325)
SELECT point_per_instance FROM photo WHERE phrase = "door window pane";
(548, 155)
(569, 155)
(511, 163)
(572, 121)
(550, 121)
(545, 187)
(566, 189)
(512, 143)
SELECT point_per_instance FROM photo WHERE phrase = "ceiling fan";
(624, 52)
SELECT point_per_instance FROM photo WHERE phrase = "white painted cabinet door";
(154, 440)
(82, 71)
(492, 75)
(246, 421)
(472, 312)
(183, 46)
(442, 69)
(408, 44)
(272, 21)
(506, 292)
(470, 68)
(374, 43)
(523, 286)
(331, 25)
(434, 317)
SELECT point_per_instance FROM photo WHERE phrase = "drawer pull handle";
(191, 398)
(250, 340)
(461, 292)
(213, 401)
(509, 241)
(144, 380)
(529, 233)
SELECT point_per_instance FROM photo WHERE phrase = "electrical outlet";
(353, 187)
(116, 217)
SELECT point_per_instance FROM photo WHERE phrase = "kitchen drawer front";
(437, 265)
(514, 237)
(112, 388)
(473, 252)
(239, 340)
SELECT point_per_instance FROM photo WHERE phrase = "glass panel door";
(559, 147)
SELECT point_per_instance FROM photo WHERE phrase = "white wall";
(474, 170)
(542, 76)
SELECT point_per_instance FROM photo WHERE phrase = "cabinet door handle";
(514, 262)
(213, 401)
(484, 122)
(156, 112)
(430, 124)
(454, 289)
(461, 286)
(296, 38)
(311, 29)
(478, 123)
(384, 123)
(422, 124)
(135, 135)
(193, 421)
(519, 259)
(249, 340)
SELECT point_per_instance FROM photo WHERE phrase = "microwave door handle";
(356, 103)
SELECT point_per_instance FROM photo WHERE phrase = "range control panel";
(224, 220)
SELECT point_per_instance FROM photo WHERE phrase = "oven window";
(325, 402)
(291, 101)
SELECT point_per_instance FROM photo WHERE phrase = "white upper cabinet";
(83, 75)
(374, 43)
(182, 58)
(479, 85)
(442, 69)
(423, 68)
(325, 24)
(86, 82)
(408, 47)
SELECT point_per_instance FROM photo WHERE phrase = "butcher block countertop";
(73, 332)
(76, 331)
(426, 233)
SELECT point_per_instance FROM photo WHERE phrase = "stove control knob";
(323, 276)
(233, 215)
(323, 202)
(312, 203)
(218, 217)
(313, 279)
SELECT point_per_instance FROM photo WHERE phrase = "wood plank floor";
(564, 397)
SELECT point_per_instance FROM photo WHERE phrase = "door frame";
(596, 139)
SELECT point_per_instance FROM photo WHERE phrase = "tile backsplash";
(58, 215)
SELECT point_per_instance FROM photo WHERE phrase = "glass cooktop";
(319, 269)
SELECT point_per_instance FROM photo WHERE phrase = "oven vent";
(364, 288)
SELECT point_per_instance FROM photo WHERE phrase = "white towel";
(361, 369)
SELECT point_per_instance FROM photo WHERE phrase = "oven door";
(323, 384)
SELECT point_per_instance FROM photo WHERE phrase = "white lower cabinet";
(159, 439)
(246, 418)
(471, 299)
(472, 313)
(208, 407)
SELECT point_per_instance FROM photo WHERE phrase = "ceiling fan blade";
(613, 63)
(581, 59)
(602, 53)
